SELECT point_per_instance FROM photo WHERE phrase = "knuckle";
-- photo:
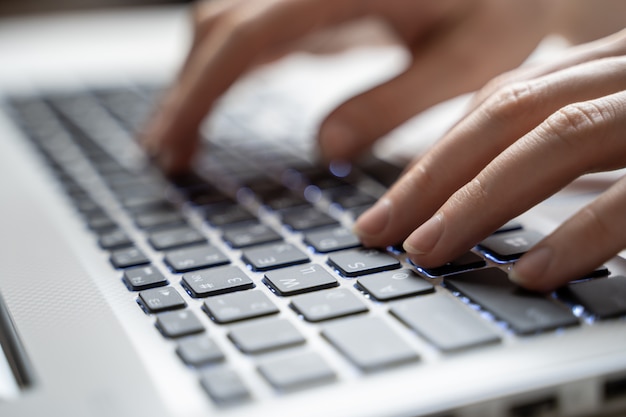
(418, 179)
(511, 101)
(595, 223)
(576, 123)
(472, 196)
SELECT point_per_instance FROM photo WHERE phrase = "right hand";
(456, 46)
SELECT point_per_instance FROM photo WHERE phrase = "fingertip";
(531, 271)
(338, 140)
(374, 221)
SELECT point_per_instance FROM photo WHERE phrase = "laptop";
(239, 290)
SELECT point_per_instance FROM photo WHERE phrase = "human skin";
(542, 124)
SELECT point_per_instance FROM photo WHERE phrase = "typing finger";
(450, 56)
(474, 142)
(614, 45)
(579, 138)
(236, 40)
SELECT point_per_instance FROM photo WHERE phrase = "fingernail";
(374, 220)
(424, 239)
(531, 266)
(337, 140)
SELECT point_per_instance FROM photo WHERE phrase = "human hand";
(456, 46)
(531, 132)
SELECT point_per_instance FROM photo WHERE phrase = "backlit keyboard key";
(524, 311)
(216, 281)
(171, 238)
(127, 257)
(250, 235)
(265, 258)
(354, 263)
(306, 218)
(114, 239)
(464, 262)
(161, 299)
(510, 246)
(143, 277)
(299, 279)
(389, 285)
(604, 298)
(195, 257)
(331, 240)
(238, 306)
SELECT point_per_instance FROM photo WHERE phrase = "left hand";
(533, 131)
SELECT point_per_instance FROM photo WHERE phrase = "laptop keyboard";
(257, 242)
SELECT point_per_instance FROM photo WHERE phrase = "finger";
(444, 65)
(475, 141)
(580, 138)
(584, 242)
(614, 45)
(236, 42)
(205, 14)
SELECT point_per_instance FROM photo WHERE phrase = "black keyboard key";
(262, 336)
(195, 257)
(224, 385)
(206, 196)
(223, 214)
(297, 371)
(328, 304)
(348, 197)
(463, 263)
(216, 281)
(510, 246)
(299, 279)
(283, 199)
(100, 222)
(161, 218)
(172, 238)
(142, 202)
(510, 226)
(603, 298)
(369, 343)
(178, 323)
(524, 311)
(239, 306)
(354, 263)
(85, 204)
(390, 285)
(161, 299)
(300, 219)
(445, 322)
(246, 235)
(265, 258)
(199, 350)
(127, 257)
(114, 239)
(331, 240)
(143, 278)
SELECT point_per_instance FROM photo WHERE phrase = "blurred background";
(26, 7)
